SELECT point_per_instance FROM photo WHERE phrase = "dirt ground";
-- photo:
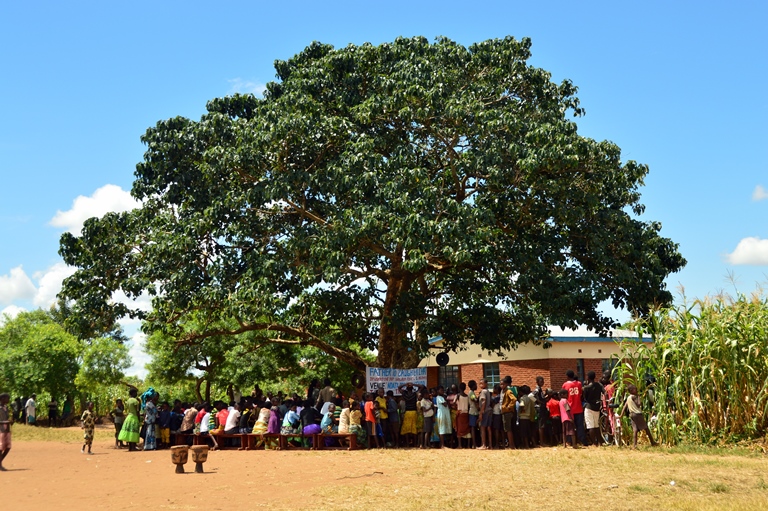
(54, 475)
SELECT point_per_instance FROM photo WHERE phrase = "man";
(410, 395)
(486, 416)
(593, 395)
(326, 394)
(53, 413)
(31, 409)
(575, 392)
(508, 401)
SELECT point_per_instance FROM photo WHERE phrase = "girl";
(443, 421)
(118, 416)
(497, 424)
(429, 413)
(88, 422)
(462, 416)
(370, 421)
(130, 431)
(566, 417)
(355, 416)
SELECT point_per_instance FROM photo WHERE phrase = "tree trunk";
(198, 384)
(392, 349)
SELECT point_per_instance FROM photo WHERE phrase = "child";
(5, 429)
(118, 416)
(526, 417)
(636, 414)
(443, 417)
(553, 405)
(164, 424)
(88, 423)
(370, 421)
(205, 426)
(566, 417)
(382, 417)
(497, 423)
(393, 411)
(429, 413)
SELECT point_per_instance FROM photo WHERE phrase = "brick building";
(579, 350)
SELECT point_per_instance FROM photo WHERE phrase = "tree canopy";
(37, 354)
(377, 196)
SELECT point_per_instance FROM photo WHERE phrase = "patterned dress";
(89, 423)
(150, 418)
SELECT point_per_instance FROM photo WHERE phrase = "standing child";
(393, 411)
(497, 424)
(5, 429)
(636, 414)
(443, 422)
(88, 423)
(427, 409)
(164, 424)
(553, 405)
(370, 421)
(118, 416)
(566, 417)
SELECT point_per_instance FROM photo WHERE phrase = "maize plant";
(705, 376)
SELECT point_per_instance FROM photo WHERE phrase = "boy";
(393, 411)
(5, 429)
(553, 405)
(370, 421)
(164, 424)
(566, 417)
(382, 419)
(636, 414)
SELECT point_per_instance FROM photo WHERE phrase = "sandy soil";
(50, 475)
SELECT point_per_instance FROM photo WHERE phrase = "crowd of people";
(467, 415)
(470, 415)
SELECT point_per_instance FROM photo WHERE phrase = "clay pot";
(179, 454)
(199, 456)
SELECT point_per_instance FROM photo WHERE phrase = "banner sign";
(390, 379)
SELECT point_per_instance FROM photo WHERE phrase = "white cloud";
(143, 303)
(760, 193)
(139, 357)
(11, 312)
(750, 251)
(49, 284)
(16, 286)
(108, 198)
(246, 86)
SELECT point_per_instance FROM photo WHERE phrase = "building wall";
(524, 372)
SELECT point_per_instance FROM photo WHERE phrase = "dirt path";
(55, 475)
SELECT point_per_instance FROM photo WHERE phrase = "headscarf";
(149, 394)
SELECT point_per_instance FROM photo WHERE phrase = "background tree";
(376, 196)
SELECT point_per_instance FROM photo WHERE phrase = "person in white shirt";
(205, 426)
(31, 409)
(233, 421)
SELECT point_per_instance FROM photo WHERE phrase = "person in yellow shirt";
(383, 417)
(508, 401)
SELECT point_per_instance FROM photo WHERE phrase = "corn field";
(709, 360)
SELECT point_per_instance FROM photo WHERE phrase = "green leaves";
(375, 197)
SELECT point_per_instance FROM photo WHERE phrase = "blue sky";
(677, 85)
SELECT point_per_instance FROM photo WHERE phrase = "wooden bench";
(350, 437)
(221, 436)
(286, 445)
(255, 441)
(182, 439)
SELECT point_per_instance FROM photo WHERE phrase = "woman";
(443, 420)
(150, 418)
(130, 431)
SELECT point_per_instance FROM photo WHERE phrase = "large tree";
(377, 196)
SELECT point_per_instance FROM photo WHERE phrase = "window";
(609, 364)
(448, 375)
(580, 369)
(491, 374)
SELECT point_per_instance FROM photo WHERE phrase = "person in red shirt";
(370, 421)
(574, 388)
(553, 405)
